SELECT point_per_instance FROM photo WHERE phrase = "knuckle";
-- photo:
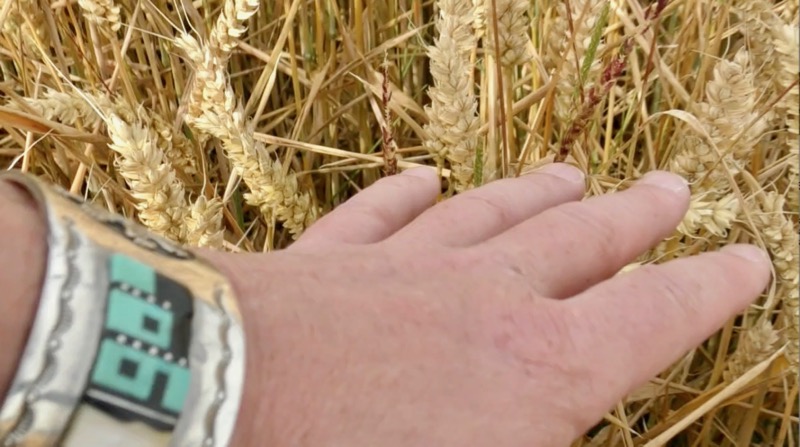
(365, 211)
(491, 206)
(679, 293)
(576, 219)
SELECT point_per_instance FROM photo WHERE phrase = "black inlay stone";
(150, 324)
(128, 368)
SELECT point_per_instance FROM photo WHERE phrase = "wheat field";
(235, 124)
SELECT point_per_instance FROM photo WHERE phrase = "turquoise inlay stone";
(139, 319)
(131, 372)
(130, 271)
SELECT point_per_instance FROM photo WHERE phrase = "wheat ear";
(104, 13)
(757, 344)
(779, 234)
(72, 107)
(513, 32)
(573, 23)
(160, 196)
(453, 120)
(214, 111)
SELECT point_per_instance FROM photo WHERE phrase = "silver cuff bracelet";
(135, 342)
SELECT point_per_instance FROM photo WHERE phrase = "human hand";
(494, 318)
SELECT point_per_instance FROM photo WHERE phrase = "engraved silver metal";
(45, 405)
(50, 380)
(217, 403)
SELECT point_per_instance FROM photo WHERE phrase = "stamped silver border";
(52, 375)
(217, 359)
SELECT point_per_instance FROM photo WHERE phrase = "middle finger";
(569, 248)
(481, 213)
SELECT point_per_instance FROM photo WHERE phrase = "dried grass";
(220, 125)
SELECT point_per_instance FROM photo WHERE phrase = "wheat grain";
(710, 211)
(453, 121)
(566, 53)
(479, 17)
(786, 65)
(791, 315)
(210, 60)
(781, 237)
(69, 107)
(730, 107)
(388, 143)
(203, 223)
(774, 42)
(756, 344)
(160, 198)
(177, 148)
(695, 160)
(230, 26)
(102, 12)
(513, 31)
(24, 25)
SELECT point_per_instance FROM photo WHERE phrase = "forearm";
(23, 252)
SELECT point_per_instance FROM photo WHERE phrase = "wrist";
(24, 255)
(269, 305)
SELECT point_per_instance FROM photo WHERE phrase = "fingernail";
(670, 182)
(563, 171)
(748, 252)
